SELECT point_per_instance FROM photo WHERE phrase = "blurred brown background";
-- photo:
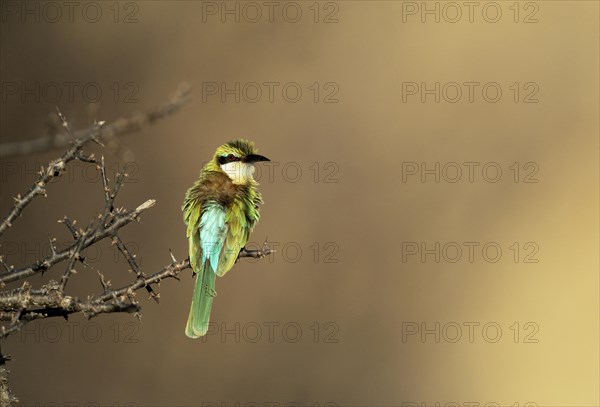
(349, 291)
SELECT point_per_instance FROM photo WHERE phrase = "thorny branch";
(23, 304)
(79, 139)
(120, 127)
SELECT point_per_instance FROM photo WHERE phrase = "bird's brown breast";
(216, 186)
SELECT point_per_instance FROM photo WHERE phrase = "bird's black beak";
(252, 158)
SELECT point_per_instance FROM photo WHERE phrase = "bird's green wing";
(237, 237)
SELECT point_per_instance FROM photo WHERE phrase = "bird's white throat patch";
(239, 172)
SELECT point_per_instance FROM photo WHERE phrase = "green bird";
(220, 211)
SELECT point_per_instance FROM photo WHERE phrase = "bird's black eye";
(225, 159)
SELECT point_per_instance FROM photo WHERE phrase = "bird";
(220, 211)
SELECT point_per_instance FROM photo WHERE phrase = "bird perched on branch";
(220, 210)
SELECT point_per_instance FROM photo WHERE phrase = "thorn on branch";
(87, 158)
(261, 253)
(63, 120)
(134, 266)
(75, 256)
(97, 141)
(104, 180)
(71, 226)
(5, 265)
(52, 246)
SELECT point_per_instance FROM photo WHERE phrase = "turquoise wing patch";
(213, 231)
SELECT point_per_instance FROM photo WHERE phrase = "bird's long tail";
(204, 291)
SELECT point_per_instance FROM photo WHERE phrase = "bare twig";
(49, 261)
(79, 139)
(75, 256)
(71, 226)
(4, 264)
(55, 169)
(261, 253)
(134, 266)
(131, 124)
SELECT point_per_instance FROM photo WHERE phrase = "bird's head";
(237, 159)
